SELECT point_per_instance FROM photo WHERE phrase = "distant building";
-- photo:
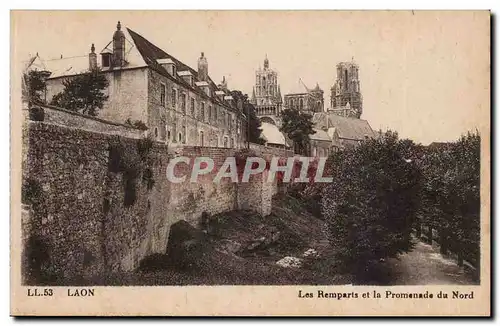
(305, 100)
(341, 131)
(346, 98)
(273, 136)
(179, 105)
(266, 95)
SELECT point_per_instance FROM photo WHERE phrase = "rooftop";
(347, 128)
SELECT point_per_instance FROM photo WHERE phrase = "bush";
(132, 163)
(37, 113)
(36, 260)
(31, 191)
(136, 124)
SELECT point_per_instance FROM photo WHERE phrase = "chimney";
(202, 68)
(92, 58)
(118, 46)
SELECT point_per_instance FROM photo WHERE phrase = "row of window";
(261, 80)
(174, 136)
(213, 112)
(225, 142)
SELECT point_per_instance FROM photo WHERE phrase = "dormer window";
(106, 60)
(169, 65)
(187, 76)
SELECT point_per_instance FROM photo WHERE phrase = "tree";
(298, 126)
(451, 197)
(83, 93)
(35, 85)
(372, 203)
(253, 130)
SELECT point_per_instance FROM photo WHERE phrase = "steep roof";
(272, 134)
(299, 88)
(347, 128)
(320, 135)
(139, 52)
(75, 65)
(151, 53)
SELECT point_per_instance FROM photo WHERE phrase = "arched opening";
(267, 120)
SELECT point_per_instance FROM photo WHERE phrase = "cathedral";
(346, 99)
(305, 99)
(338, 127)
(266, 95)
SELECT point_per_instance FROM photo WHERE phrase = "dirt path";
(426, 266)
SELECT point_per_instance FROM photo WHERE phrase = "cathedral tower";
(266, 94)
(346, 98)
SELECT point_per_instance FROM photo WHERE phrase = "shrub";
(132, 163)
(31, 191)
(36, 113)
(136, 124)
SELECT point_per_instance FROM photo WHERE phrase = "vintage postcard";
(250, 163)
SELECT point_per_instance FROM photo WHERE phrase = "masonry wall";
(77, 120)
(80, 211)
(127, 91)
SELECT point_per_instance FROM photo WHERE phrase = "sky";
(424, 74)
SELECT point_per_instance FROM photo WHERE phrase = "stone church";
(335, 128)
(305, 99)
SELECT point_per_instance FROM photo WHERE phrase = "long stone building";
(180, 105)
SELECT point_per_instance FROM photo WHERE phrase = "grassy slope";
(298, 231)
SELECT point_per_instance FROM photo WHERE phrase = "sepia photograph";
(324, 150)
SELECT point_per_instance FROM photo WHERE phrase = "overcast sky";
(424, 74)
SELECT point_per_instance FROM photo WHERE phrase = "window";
(215, 113)
(184, 134)
(174, 70)
(163, 94)
(180, 138)
(232, 142)
(301, 103)
(192, 107)
(156, 132)
(167, 133)
(225, 141)
(209, 113)
(201, 138)
(174, 131)
(174, 98)
(106, 59)
(183, 103)
(202, 111)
